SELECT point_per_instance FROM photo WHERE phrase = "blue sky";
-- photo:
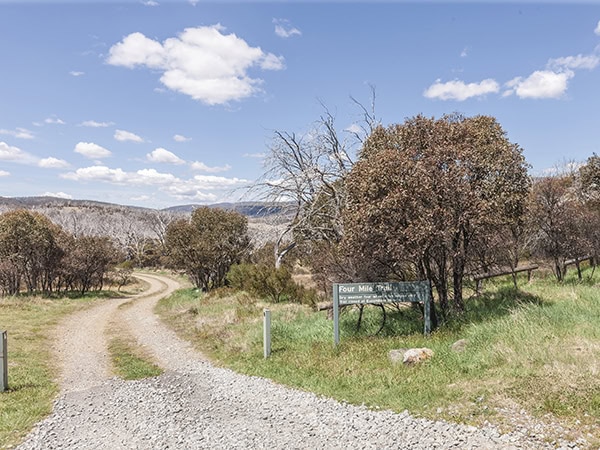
(159, 103)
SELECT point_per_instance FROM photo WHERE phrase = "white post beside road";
(267, 333)
(3, 361)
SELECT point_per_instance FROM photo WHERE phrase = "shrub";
(275, 285)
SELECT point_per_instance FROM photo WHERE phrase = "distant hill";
(249, 209)
(48, 202)
(129, 225)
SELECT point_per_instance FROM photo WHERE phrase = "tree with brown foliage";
(426, 192)
(208, 244)
(28, 250)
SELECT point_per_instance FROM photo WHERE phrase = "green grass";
(129, 362)
(536, 348)
(31, 373)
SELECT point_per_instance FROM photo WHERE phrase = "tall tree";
(208, 244)
(425, 192)
(29, 249)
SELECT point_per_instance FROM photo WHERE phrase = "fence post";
(266, 333)
(3, 361)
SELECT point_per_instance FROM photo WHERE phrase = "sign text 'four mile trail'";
(378, 293)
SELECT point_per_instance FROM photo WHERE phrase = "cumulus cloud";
(20, 133)
(201, 167)
(144, 177)
(76, 73)
(575, 62)
(180, 138)
(123, 136)
(91, 150)
(255, 155)
(203, 62)
(540, 84)
(94, 124)
(4, 173)
(191, 189)
(53, 163)
(464, 53)
(354, 129)
(54, 121)
(597, 30)
(57, 194)
(13, 154)
(161, 155)
(284, 29)
(459, 90)
(149, 3)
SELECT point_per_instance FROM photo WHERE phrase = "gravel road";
(195, 405)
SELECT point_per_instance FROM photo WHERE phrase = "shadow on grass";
(407, 319)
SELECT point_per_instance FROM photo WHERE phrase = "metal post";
(3, 361)
(336, 315)
(266, 333)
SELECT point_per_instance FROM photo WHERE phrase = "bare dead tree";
(306, 173)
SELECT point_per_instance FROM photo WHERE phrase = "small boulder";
(417, 355)
(459, 346)
(397, 355)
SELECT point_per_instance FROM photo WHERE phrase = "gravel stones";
(212, 408)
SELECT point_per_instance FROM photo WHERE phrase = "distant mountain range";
(249, 209)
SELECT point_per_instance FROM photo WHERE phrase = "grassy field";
(31, 372)
(532, 353)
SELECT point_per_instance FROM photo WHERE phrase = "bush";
(274, 285)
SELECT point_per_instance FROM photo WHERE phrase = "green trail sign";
(378, 293)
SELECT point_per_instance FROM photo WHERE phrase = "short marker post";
(266, 333)
(3, 361)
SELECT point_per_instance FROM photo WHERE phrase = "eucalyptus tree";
(425, 193)
(206, 245)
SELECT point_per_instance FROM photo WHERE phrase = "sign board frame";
(379, 293)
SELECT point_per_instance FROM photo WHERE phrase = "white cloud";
(354, 128)
(144, 177)
(540, 84)
(161, 155)
(97, 173)
(284, 29)
(122, 135)
(254, 155)
(149, 3)
(141, 198)
(201, 62)
(180, 138)
(57, 194)
(54, 121)
(201, 167)
(12, 154)
(20, 133)
(53, 163)
(190, 189)
(91, 150)
(597, 30)
(94, 124)
(76, 73)
(464, 53)
(459, 90)
(575, 62)
(4, 173)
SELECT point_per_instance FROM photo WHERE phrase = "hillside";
(129, 226)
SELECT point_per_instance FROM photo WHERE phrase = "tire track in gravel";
(81, 346)
(168, 350)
